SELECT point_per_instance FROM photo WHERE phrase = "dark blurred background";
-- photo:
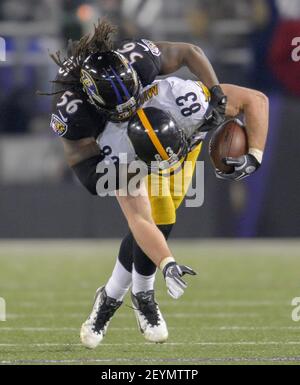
(249, 43)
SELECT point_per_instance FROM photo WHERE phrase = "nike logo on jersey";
(152, 47)
(146, 49)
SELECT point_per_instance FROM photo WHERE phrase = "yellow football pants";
(167, 191)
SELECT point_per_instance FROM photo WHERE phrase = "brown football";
(229, 140)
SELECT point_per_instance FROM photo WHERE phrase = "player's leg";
(149, 318)
(109, 298)
(164, 215)
(121, 278)
(148, 314)
(166, 193)
(144, 269)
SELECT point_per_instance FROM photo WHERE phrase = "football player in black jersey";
(99, 82)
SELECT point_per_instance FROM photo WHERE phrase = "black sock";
(126, 252)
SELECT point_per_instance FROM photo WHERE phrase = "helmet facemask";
(164, 165)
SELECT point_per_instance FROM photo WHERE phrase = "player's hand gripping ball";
(229, 152)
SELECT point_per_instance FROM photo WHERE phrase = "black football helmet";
(157, 139)
(111, 84)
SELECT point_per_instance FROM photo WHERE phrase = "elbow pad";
(87, 173)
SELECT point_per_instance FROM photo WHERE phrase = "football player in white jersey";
(179, 107)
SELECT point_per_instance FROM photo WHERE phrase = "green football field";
(236, 311)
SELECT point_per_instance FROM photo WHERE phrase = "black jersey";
(74, 118)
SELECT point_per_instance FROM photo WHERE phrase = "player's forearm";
(177, 55)
(254, 105)
(150, 239)
(198, 63)
(256, 113)
(137, 211)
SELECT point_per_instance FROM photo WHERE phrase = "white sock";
(119, 282)
(141, 282)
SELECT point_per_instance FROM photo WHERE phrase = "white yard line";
(219, 328)
(254, 328)
(212, 328)
(61, 329)
(170, 315)
(230, 303)
(208, 343)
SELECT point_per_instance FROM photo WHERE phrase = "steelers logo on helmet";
(157, 139)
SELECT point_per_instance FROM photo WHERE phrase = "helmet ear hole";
(156, 138)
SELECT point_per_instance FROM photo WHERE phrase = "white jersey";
(186, 100)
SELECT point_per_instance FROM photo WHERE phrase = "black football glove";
(173, 274)
(244, 166)
(215, 114)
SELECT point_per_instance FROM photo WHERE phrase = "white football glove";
(173, 274)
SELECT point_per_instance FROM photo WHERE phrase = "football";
(229, 140)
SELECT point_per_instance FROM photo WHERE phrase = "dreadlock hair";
(101, 40)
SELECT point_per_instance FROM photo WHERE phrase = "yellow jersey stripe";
(152, 135)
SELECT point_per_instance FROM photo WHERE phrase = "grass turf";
(236, 311)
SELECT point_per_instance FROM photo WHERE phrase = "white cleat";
(95, 327)
(149, 318)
